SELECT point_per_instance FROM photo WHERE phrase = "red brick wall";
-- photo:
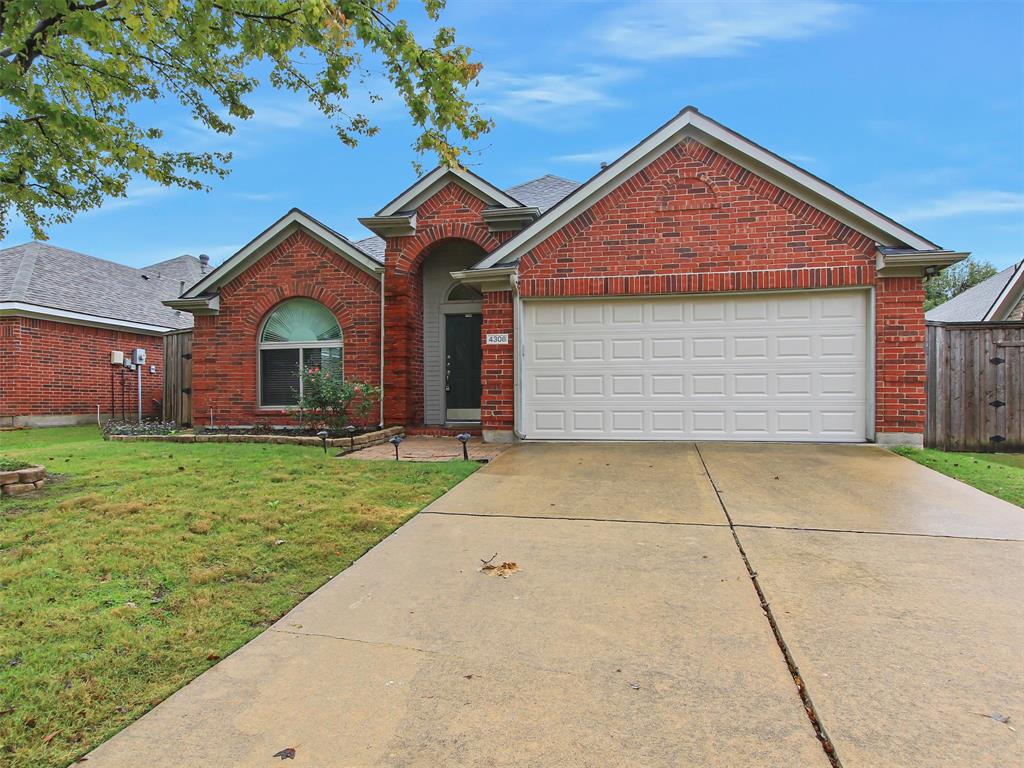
(496, 368)
(693, 221)
(50, 368)
(452, 213)
(224, 350)
(900, 381)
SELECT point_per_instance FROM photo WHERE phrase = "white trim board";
(35, 311)
(1009, 297)
(271, 237)
(690, 123)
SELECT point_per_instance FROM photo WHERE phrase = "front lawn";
(1000, 474)
(142, 564)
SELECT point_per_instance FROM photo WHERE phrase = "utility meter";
(139, 356)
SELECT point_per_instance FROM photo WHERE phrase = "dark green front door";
(462, 367)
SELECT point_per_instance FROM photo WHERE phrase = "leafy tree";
(954, 280)
(71, 70)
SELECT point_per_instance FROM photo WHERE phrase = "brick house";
(698, 287)
(61, 315)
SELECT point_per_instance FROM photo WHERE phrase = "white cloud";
(592, 158)
(257, 197)
(543, 97)
(662, 30)
(140, 195)
(963, 204)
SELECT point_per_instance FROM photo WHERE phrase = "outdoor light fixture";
(323, 434)
(351, 429)
(463, 438)
(396, 441)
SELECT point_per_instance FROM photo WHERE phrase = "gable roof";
(427, 186)
(272, 236)
(982, 301)
(691, 123)
(45, 280)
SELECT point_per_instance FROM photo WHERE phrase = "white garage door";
(760, 367)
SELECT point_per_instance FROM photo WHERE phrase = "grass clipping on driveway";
(999, 474)
(148, 562)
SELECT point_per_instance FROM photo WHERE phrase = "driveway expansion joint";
(500, 516)
(812, 714)
(872, 533)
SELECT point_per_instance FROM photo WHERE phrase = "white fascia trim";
(496, 279)
(269, 238)
(1008, 298)
(740, 150)
(427, 186)
(21, 309)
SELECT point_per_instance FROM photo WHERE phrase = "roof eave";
(38, 311)
(401, 224)
(1009, 297)
(916, 263)
(199, 305)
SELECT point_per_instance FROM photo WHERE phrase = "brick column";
(900, 377)
(497, 369)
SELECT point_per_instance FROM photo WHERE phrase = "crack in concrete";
(426, 651)
(580, 519)
(812, 714)
(872, 533)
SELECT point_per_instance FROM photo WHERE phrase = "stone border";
(19, 481)
(360, 441)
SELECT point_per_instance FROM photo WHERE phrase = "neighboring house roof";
(691, 123)
(982, 301)
(185, 269)
(44, 280)
(373, 247)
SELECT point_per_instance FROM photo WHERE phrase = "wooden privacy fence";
(975, 386)
(178, 377)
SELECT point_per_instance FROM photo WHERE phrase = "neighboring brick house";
(997, 299)
(698, 287)
(61, 315)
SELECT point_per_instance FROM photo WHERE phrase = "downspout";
(381, 414)
(517, 313)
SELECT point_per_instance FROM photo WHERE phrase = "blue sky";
(915, 108)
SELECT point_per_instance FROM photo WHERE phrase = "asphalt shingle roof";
(185, 269)
(539, 193)
(48, 276)
(974, 303)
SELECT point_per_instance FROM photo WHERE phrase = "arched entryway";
(452, 322)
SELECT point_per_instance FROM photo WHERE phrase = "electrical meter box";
(139, 356)
(116, 357)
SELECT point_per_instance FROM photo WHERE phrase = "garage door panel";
(760, 367)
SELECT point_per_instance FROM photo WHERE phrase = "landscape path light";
(351, 429)
(463, 438)
(323, 435)
(396, 441)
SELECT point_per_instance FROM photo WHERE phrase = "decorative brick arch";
(262, 309)
(451, 214)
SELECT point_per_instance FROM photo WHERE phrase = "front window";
(299, 334)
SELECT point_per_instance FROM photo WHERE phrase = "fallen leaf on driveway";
(1004, 719)
(288, 753)
(503, 570)
(634, 686)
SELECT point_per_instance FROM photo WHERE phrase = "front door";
(462, 367)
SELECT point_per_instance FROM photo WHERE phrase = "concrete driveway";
(674, 605)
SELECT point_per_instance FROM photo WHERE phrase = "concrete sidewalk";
(630, 633)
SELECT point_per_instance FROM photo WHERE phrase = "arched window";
(463, 292)
(299, 334)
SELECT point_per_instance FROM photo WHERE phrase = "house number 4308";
(497, 338)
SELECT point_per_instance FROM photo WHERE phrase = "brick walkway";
(424, 448)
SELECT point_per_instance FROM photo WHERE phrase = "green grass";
(1000, 474)
(141, 564)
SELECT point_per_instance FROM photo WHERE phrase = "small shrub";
(331, 403)
(10, 465)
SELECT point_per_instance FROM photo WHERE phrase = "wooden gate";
(178, 377)
(975, 386)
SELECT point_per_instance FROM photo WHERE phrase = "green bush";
(333, 403)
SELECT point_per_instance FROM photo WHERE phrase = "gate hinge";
(997, 438)
(187, 390)
(186, 355)
(996, 360)
(997, 403)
